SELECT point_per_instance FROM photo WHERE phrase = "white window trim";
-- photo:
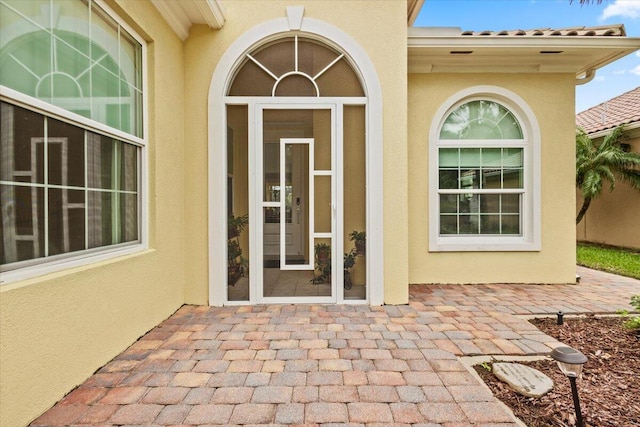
(217, 155)
(57, 263)
(530, 211)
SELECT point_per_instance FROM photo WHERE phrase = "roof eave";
(578, 54)
(628, 128)
(182, 14)
(413, 8)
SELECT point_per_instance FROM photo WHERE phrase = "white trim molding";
(530, 239)
(220, 82)
(182, 14)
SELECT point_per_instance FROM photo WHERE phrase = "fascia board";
(629, 129)
(525, 49)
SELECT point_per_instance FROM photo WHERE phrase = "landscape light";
(570, 362)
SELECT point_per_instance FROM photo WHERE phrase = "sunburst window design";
(73, 55)
(296, 66)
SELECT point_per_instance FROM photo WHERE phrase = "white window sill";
(474, 244)
(14, 277)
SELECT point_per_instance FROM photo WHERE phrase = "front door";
(296, 183)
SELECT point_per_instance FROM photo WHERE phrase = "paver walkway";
(319, 365)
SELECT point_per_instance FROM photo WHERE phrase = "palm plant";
(607, 161)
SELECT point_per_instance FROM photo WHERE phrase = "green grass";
(625, 262)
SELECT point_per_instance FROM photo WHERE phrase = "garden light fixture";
(560, 318)
(570, 362)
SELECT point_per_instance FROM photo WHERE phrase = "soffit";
(570, 50)
(182, 14)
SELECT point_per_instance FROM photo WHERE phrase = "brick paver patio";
(319, 365)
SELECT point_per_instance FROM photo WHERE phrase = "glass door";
(296, 196)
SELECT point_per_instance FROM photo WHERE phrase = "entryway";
(302, 174)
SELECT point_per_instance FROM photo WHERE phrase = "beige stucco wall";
(56, 330)
(387, 51)
(551, 97)
(614, 217)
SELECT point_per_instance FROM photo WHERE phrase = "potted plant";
(322, 262)
(236, 224)
(237, 265)
(349, 262)
(360, 240)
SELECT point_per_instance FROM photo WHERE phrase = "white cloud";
(638, 53)
(625, 8)
(598, 79)
(636, 71)
(616, 72)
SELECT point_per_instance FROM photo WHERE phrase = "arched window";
(295, 66)
(75, 56)
(482, 168)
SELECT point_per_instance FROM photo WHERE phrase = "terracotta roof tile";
(607, 30)
(623, 109)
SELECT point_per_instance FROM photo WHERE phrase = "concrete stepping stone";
(523, 379)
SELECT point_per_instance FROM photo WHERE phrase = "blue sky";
(478, 15)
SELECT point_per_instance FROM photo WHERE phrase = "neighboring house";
(614, 217)
(133, 129)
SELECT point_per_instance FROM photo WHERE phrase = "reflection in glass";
(67, 67)
(99, 211)
(481, 119)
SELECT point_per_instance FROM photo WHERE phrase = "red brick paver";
(332, 365)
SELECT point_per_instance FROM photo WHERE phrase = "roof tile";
(622, 109)
(606, 30)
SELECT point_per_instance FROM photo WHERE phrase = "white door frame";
(256, 203)
(217, 155)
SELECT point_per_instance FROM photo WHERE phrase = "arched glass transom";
(296, 66)
(75, 56)
(481, 119)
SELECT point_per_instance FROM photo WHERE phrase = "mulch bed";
(610, 386)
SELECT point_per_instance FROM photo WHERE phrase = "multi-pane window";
(481, 171)
(71, 135)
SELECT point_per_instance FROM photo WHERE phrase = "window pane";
(469, 178)
(128, 218)
(22, 225)
(448, 224)
(490, 224)
(65, 221)
(510, 203)
(469, 157)
(469, 224)
(448, 179)
(511, 224)
(101, 161)
(512, 178)
(492, 157)
(448, 203)
(491, 178)
(129, 168)
(448, 157)
(513, 157)
(65, 153)
(22, 142)
(490, 203)
(101, 219)
(481, 120)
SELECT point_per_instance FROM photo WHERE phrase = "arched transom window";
(484, 190)
(296, 66)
